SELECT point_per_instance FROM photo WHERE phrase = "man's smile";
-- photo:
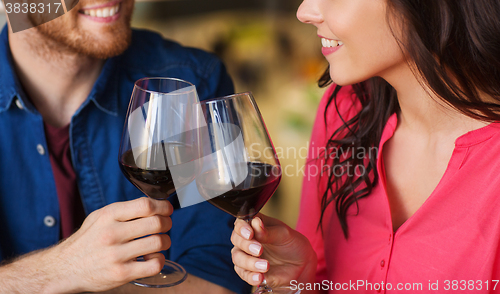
(103, 12)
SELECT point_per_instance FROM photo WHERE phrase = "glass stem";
(263, 288)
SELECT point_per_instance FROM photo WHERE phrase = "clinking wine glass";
(241, 170)
(159, 149)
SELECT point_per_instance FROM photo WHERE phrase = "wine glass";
(241, 170)
(160, 148)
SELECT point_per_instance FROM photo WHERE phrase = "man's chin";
(92, 44)
(66, 35)
(105, 49)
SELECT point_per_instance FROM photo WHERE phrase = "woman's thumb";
(269, 231)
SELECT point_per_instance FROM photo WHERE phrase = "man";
(64, 92)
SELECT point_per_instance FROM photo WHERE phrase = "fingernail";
(254, 248)
(262, 265)
(245, 233)
(256, 277)
(261, 223)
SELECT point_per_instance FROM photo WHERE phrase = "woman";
(412, 203)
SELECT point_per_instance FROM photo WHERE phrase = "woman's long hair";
(455, 48)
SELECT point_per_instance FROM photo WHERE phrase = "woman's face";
(357, 40)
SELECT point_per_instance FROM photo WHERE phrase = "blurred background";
(266, 51)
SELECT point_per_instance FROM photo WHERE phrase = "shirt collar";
(105, 91)
(103, 94)
(9, 84)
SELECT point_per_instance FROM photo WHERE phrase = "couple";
(425, 90)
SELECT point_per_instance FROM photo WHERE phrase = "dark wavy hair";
(454, 46)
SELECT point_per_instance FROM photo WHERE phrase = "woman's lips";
(330, 45)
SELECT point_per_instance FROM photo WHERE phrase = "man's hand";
(100, 255)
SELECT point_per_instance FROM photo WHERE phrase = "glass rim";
(162, 78)
(227, 97)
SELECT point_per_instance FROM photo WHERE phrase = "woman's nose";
(308, 12)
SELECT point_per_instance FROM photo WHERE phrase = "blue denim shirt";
(29, 209)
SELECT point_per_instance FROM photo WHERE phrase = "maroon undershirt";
(70, 204)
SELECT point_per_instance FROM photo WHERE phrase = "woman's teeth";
(103, 12)
(331, 43)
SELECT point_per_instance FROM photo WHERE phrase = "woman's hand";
(269, 246)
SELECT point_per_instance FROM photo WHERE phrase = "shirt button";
(19, 104)
(49, 221)
(40, 149)
(382, 263)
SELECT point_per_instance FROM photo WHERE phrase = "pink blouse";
(450, 245)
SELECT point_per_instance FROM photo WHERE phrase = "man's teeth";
(103, 12)
(330, 43)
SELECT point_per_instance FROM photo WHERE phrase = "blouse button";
(49, 221)
(40, 149)
(382, 263)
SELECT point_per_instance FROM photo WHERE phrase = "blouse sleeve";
(314, 185)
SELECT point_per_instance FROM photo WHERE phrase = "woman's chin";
(340, 78)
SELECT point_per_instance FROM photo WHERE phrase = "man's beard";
(81, 42)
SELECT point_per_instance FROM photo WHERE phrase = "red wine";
(152, 174)
(247, 198)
